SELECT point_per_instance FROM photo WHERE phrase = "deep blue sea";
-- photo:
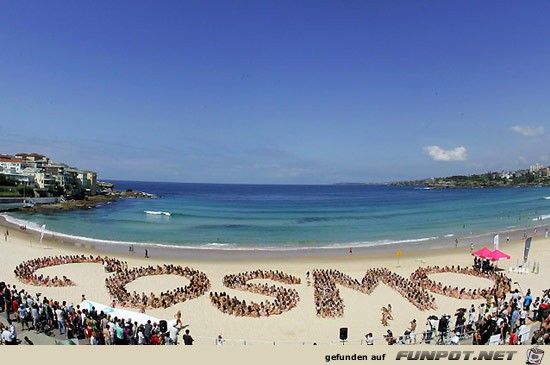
(299, 216)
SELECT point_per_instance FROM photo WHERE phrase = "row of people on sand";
(116, 286)
(285, 298)
(199, 283)
(329, 303)
(501, 282)
(505, 315)
(26, 271)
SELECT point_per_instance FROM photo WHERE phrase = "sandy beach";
(301, 324)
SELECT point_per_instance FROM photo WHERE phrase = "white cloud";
(528, 131)
(436, 153)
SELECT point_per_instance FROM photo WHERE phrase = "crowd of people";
(26, 271)
(483, 265)
(44, 315)
(285, 298)
(501, 282)
(328, 302)
(508, 318)
(116, 286)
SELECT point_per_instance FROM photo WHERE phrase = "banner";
(526, 250)
(42, 232)
(495, 243)
(140, 318)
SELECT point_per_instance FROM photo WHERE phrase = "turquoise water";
(261, 216)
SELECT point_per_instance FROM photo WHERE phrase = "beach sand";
(300, 325)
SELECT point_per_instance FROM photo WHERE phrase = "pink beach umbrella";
(483, 253)
(497, 255)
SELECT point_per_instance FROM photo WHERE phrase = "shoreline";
(215, 253)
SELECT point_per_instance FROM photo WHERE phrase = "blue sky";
(277, 91)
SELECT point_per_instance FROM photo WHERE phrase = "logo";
(534, 355)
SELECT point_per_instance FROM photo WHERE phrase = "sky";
(277, 92)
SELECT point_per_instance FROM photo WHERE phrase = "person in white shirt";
(8, 336)
(522, 316)
(523, 335)
(455, 340)
(93, 339)
(220, 341)
(141, 336)
(369, 339)
(174, 331)
(60, 314)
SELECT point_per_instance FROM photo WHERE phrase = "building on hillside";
(44, 180)
(507, 175)
(34, 159)
(62, 173)
(535, 168)
(11, 165)
(88, 181)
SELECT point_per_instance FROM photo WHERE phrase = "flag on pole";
(495, 242)
(526, 250)
(42, 233)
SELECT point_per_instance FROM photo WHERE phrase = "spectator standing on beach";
(369, 339)
(412, 331)
(220, 341)
(187, 339)
(60, 314)
(527, 301)
(174, 332)
(7, 337)
(147, 331)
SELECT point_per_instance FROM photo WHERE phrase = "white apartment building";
(11, 165)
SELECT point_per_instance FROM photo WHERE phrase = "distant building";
(44, 180)
(88, 181)
(506, 175)
(11, 165)
(33, 159)
(535, 168)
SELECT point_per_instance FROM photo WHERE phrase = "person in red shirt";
(155, 340)
(513, 339)
(15, 306)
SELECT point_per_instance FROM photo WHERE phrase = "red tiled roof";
(13, 160)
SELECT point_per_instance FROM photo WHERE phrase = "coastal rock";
(88, 202)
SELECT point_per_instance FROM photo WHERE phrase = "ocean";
(298, 216)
